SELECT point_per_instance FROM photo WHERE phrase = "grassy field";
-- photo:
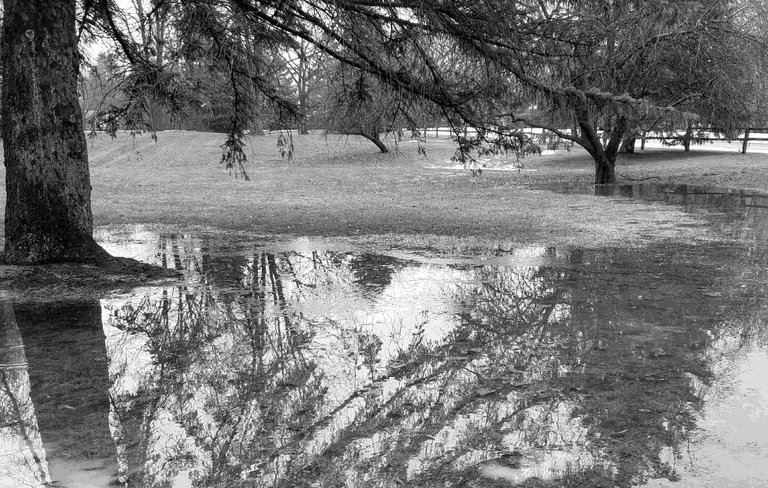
(342, 187)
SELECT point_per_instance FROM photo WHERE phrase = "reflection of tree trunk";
(132, 426)
(606, 191)
(177, 264)
(69, 372)
(267, 277)
(17, 412)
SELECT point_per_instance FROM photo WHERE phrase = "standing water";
(304, 364)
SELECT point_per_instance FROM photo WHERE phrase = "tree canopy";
(576, 68)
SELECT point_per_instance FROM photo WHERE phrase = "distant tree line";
(625, 66)
(328, 96)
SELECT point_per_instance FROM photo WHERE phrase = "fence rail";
(695, 135)
(750, 134)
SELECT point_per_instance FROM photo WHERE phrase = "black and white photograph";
(384, 244)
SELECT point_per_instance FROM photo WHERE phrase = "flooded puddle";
(305, 364)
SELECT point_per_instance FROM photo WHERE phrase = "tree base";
(62, 282)
(36, 251)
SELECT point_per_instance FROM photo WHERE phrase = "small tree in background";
(358, 104)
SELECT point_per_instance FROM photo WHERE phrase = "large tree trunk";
(48, 207)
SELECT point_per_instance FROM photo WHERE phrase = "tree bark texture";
(604, 156)
(48, 207)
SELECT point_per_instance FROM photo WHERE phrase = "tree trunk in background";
(745, 142)
(303, 115)
(604, 154)
(302, 89)
(628, 145)
(687, 137)
(257, 123)
(48, 206)
(257, 126)
(374, 138)
(159, 117)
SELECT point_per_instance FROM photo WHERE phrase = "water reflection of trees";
(266, 374)
(229, 358)
(743, 212)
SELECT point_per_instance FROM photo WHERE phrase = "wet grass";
(342, 187)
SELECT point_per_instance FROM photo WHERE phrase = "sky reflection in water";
(303, 365)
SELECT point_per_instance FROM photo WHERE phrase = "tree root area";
(71, 281)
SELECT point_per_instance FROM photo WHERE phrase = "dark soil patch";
(61, 282)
